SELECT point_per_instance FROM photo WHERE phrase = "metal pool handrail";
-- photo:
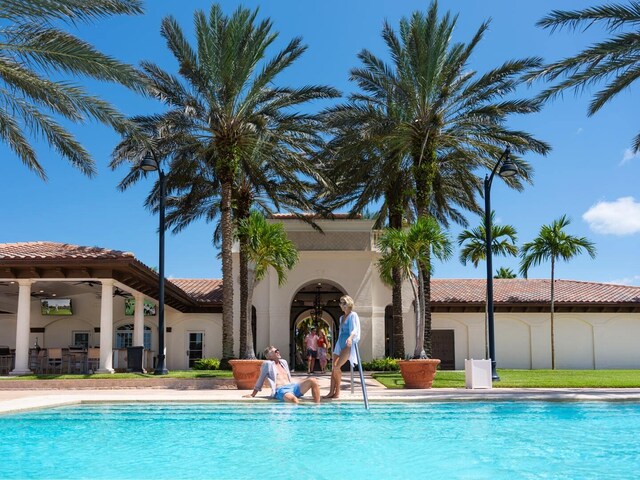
(362, 382)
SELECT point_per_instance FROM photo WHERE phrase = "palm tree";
(474, 242)
(615, 60)
(452, 122)
(410, 250)
(267, 246)
(504, 272)
(553, 244)
(32, 49)
(229, 110)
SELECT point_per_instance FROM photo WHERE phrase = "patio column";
(138, 321)
(23, 328)
(106, 327)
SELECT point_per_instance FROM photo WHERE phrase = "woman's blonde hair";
(347, 300)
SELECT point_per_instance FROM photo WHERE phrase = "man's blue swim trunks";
(289, 388)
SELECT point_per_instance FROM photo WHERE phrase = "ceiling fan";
(117, 292)
(121, 293)
(91, 283)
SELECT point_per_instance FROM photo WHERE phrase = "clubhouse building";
(56, 296)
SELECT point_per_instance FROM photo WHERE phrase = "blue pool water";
(331, 441)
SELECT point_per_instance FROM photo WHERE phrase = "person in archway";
(311, 342)
(276, 371)
(323, 345)
(349, 333)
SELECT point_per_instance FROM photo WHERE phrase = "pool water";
(469, 440)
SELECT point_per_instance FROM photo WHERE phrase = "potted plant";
(264, 245)
(245, 372)
(410, 250)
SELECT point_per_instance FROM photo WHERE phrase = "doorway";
(314, 305)
(443, 344)
(195, 347)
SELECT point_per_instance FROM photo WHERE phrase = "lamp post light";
(508, 169)
(149, 164)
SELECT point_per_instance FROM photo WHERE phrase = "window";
(124, 336)
(80, 338)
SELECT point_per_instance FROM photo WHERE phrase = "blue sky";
(590, 175)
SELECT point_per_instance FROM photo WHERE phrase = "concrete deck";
(16, 400)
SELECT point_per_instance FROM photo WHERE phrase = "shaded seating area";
(93, 359)
(6, 360)
(74, 359)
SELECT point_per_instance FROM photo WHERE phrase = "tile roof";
(531, 291)
(200, 289)
(56, 251)
(443, 291)
(332, 216)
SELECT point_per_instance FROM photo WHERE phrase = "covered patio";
(96, 280)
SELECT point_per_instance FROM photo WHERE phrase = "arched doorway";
(314, 305)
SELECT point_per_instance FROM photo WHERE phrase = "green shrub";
(386, 364)
(207, 364)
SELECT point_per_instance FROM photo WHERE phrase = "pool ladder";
(362, 382)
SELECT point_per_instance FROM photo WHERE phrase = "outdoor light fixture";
(149, 164)
(508, 169)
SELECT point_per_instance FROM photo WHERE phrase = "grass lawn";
(112, 376)
(531, 379)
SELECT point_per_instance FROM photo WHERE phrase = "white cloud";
(633, 280)
(628, 155)
(621, 217)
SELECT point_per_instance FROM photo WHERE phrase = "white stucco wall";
(523, 340)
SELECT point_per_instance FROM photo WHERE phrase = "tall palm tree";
(614, 61)
(33, 49)
(474, 242)
(267, 247)
(225, 107)
(410, 250)
(505, 272)
(452, 122)
(553, 244)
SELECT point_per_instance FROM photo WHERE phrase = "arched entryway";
(314, 305)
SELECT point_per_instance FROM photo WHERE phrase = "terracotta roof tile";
(200, 289)
(55, 250)
(332, 216)
(531, 291)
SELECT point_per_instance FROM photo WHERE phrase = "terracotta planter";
(418, 373)
(246, 373)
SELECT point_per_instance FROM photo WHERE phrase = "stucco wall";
(523, 340)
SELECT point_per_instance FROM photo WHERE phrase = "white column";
(22, 328)
(106, 327)
(138, 321)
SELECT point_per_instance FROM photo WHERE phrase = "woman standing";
(343, 351)
(323, 344)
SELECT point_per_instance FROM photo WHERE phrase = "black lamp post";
(508, 169)
(149, 164)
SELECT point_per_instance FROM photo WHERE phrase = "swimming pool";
(502, 440)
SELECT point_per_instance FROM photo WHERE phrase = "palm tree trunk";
(244, 295)
(424, 167)
(395, 221)
(396, 307)
(226, 227)
(249, 352)
(419, 315)
(426, 280)
(553, 347)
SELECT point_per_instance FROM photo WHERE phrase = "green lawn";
(532, 379)
(172, 374)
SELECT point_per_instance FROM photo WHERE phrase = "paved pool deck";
(17, 400)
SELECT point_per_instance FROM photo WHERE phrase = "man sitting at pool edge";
(276, 371)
